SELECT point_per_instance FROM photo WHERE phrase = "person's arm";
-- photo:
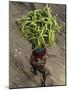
(45, 57)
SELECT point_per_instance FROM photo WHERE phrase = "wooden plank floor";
(20, 74)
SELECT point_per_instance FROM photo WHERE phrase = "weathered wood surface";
(20, 74)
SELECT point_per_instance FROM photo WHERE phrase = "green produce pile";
(39, 27)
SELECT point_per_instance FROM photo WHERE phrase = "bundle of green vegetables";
(39, 27)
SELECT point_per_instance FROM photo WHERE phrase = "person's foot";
(43, 83)
(34, 71)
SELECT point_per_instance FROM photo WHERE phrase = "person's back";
(38, 61)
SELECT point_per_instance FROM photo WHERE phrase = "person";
(38, 62)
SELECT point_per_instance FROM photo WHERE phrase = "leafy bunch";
(39, 27)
